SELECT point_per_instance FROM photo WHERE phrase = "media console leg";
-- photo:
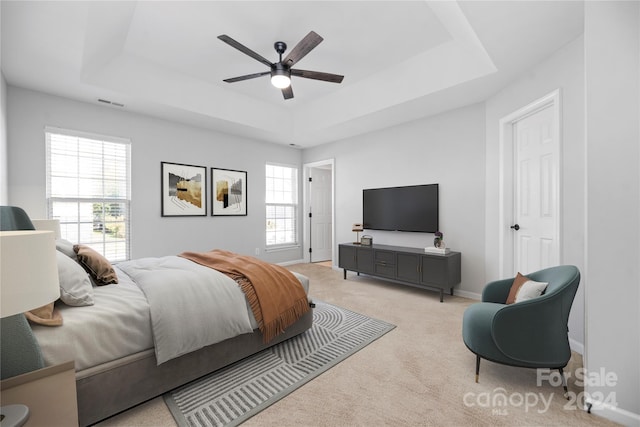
(451, 291)
(345, 273)
(441, 295)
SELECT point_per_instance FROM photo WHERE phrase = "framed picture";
(184, 190)
(228, 192)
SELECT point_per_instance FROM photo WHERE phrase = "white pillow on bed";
(75, 285)
(66, 247)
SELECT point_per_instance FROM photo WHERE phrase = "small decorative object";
(357, 228)
(437, 251)
(366, 240)
(184, 190)
(437, 241)
(229, 192)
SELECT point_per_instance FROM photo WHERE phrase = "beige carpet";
(419, 374)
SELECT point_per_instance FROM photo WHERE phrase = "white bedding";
(192, 306)
(118, 325)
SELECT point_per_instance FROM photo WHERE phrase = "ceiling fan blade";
(246, 77)
(306, 45)
(242, 48)
(287, 92)
(317, 75)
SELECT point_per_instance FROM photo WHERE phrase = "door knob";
(516, 227)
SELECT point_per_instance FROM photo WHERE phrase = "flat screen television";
(409, 208)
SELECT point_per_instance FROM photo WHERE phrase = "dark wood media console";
(407, 266)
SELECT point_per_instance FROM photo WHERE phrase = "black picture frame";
(228, 192)
(184, 189)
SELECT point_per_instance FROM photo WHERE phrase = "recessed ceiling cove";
(401, 59)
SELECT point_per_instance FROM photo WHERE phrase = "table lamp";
(357, 228)
(28, 280)
(48, 225)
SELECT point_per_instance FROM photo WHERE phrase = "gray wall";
(4, 174)
(4, 178)
(447, 149)
(612, 62)
(153, 141)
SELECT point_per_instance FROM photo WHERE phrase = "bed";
(167, 321)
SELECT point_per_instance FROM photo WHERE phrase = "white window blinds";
(88, 189)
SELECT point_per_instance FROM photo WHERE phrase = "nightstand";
(50, 394)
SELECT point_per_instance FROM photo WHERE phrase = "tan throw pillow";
(96, 265)
(524, 289)
(46, 315)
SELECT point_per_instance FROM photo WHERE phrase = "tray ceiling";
(402, 60)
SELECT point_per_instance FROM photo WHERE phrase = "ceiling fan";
(281, 71)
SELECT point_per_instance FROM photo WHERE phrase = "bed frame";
(116, 386)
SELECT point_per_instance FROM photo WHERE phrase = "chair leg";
(477, 367)
(564, 383)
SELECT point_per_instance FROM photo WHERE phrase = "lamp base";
(19, 350)
(14, 415)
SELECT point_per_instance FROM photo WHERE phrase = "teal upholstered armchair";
(528, 334)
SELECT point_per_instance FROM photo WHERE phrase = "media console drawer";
(404, 265)
(385, 263)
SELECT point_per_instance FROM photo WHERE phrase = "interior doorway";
(319, 215)
(530, 194)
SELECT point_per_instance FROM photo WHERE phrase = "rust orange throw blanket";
(276, 296)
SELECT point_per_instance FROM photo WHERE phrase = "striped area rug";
(233, 394)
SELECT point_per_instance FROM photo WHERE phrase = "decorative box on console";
(434, 250)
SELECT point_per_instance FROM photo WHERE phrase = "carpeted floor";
(420, 375)
(235, 393)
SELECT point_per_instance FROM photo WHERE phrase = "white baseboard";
(613, 413)
(297, 261)
(576, 346)
(466, 294)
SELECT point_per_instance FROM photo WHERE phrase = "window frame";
(294, 204)
(80, 199)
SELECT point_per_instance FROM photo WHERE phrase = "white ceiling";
(402, 60)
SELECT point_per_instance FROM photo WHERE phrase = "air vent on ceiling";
(106, 101)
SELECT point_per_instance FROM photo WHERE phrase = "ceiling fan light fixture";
(280, 78)
(280, 81)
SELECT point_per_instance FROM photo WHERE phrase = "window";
(282, 205)
(89, 191)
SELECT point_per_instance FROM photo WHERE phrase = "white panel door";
(321, 214)
(536, 197)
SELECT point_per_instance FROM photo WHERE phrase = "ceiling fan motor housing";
(279, 69)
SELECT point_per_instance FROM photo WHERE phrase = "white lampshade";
(28, 271)
(48, 225)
